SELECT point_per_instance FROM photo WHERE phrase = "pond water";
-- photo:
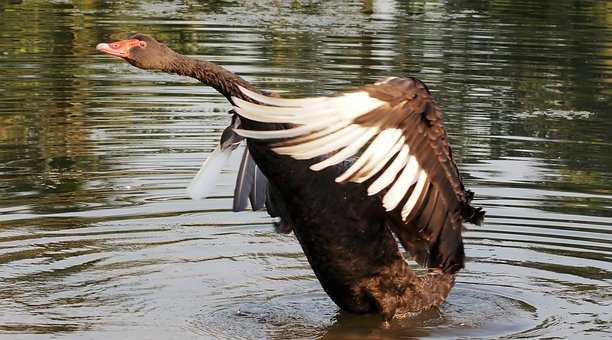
(98, 238)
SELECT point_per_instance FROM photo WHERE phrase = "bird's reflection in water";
(486, 312)
(350, 326)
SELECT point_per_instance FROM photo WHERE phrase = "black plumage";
(346, 221)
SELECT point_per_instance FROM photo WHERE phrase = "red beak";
(119, 48)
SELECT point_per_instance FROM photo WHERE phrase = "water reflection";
(97, 236)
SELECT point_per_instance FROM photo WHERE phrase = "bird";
(353, 176)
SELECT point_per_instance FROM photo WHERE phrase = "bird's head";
(139, 50)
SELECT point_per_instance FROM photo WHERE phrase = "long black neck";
(221, 79)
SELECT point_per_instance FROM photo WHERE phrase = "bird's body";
(347, 173)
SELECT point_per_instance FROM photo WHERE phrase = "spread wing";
(394, 129)
(251, 184)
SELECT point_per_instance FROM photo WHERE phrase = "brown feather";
(421, 119)
(442, 202)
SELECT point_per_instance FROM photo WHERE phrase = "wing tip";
(474, 216)
(194, 195)
(244, 90)
(204, 181)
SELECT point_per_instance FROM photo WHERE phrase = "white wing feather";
(325, 125)
(205, 180)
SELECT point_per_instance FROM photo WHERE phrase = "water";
(98, 238)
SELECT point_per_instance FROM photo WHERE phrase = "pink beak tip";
(102, 46)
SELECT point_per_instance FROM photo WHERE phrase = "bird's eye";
(115, 45)
(142, 44)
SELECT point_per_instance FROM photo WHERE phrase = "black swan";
(347, 174)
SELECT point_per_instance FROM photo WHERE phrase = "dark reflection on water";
(98, 239)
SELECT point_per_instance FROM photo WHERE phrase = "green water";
(99, 240)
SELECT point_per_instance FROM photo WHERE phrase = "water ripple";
(97, 235)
